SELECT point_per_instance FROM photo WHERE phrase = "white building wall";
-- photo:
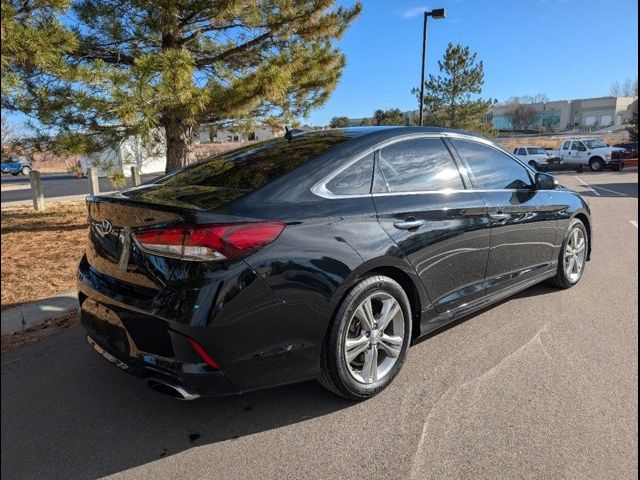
(132, 151)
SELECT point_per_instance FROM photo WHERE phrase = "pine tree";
(393, 116)
(632, 128)
(452, 98)
(139, 66)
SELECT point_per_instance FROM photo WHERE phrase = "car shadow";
(613, 190)
(68, 413)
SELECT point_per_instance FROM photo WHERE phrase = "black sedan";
(322, 255)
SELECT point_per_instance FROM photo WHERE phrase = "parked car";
(590, 151)
(536, 157)
(323, 255)
(16, 165)
(630, 147)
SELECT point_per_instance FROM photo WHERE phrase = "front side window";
(522, 151)
(355, 179)
(493, 169)
(577, 146)
(419, 164)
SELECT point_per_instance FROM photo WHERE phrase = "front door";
(579, 152)
(439, 225)
(523, 221)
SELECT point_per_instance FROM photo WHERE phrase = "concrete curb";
(23, 316)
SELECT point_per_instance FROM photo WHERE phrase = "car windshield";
(594, 143)
(253, 166)
(536, 150)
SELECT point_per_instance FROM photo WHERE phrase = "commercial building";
(587, 114)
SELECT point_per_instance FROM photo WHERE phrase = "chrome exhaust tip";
(173, 390)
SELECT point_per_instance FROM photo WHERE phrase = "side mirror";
(544, 181)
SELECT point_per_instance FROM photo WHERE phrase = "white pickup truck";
(589, 151)
(537, 157)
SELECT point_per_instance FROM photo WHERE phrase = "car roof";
(384, 132)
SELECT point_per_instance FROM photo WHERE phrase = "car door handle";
(499, 216)
(408, 224)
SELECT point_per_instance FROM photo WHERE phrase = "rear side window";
(522, 151)
(420, 164)
(254, 166)
(354, 180)
(566, 145)
(492, 169)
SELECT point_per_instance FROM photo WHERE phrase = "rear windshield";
(251, 167)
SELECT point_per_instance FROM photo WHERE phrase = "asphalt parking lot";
(543, 385)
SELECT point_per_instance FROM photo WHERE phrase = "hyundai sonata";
(321, 255)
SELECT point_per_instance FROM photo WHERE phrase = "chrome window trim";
(320, 189)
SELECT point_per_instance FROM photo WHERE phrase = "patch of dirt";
(38, 331)
(41, 251)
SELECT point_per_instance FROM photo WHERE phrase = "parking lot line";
(587, 185)
(634, 223)
(607, 190)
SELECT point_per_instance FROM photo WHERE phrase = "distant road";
(54, 184)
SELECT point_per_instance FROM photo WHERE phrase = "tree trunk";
(180, 149)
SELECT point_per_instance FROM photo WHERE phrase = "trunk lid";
(111, 249)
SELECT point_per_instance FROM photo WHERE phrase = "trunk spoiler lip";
(187, 216)
(118, 197)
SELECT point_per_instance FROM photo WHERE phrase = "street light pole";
(424, 54)
(437, 14)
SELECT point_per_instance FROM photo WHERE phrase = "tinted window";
(566, 145)
(576, 145)
(536, 151)
(522, 151)
(492, 169)
(355, 179)
(421, 164)
(256, 165)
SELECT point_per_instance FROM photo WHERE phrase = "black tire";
(561, 279)
(596, 164)
(335, 375)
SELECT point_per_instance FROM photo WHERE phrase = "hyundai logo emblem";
(104, 228)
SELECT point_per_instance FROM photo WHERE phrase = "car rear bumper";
(256, 339)
(108, 337)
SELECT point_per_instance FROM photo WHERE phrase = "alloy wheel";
(374, 338)
(575, 254)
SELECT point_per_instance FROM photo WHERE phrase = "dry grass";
(41, 251)
(511, 143)
(38, 331)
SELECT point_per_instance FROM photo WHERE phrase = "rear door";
(441, 226)
(523, 219)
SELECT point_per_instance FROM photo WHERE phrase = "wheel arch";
(584, 218)
(397, 270)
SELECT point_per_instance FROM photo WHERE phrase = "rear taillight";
(209, 242)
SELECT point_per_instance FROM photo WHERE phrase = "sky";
(564, 48)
